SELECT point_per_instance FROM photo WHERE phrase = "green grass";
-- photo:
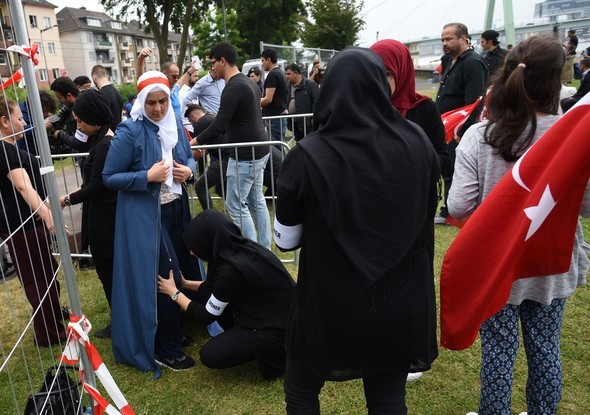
(451, 387)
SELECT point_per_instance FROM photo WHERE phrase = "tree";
(336, 24)
(209, 30)
(271, 21)
(161, 15)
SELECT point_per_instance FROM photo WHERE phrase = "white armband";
(287, 237)
(214, 306)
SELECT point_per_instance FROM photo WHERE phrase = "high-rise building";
(562, 9)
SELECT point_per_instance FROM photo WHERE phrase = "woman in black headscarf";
(248, 291)
(93, 116)
(357, 196)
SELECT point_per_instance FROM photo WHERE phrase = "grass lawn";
(451, 387)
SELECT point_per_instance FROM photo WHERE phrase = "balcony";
(127, 62)
(6, 21)
(105, 60)
(103, 44)
(124, 46)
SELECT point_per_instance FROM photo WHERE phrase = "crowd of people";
(357, 195)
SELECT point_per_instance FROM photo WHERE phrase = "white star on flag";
(538, 214)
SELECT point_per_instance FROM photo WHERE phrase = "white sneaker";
(412, 377)
(523, 413)
(472, 413)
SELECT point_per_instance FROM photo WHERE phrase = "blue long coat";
(134, 150)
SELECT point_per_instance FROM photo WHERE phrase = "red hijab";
(397, 59)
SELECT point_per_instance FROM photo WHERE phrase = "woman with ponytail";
(93, 116)
(522, 106)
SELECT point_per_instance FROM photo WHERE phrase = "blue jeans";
(541, 332)
(278, 129)
(245, 200)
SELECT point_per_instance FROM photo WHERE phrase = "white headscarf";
(152, 81)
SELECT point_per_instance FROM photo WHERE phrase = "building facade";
(559, 10)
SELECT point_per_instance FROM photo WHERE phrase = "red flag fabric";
(525, 227)
(453, 120)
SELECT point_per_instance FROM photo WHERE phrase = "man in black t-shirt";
(100, 76)
(240, 117)
(274, 100)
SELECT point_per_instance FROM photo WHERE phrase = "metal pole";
(45, 51)
(48, 172)
(489, 16)
(224, 21)
(509, 29)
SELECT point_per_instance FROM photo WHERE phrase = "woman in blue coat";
(148, 163)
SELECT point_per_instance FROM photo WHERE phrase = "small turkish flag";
(453, 120)
(525, 227)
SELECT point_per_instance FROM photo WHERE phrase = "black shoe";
(65, 312)
(177, 364)
(86, 263)
(103, 333)
(188, 341)
(8, 271)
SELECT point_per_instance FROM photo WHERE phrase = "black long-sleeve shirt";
(240, 117)
(461, 84)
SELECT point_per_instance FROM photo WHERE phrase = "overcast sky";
(407, 19)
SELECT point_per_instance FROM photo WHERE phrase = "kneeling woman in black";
(248, 291)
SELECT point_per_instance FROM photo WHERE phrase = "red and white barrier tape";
(29, 52)
(78, 329)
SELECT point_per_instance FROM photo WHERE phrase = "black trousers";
(168, 343)
(385, 393)
(214, 176)
(239, 345)
(448, 176)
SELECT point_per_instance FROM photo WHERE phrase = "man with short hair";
(65, 126)
(216, 173)
(100, 76)
(83, 83)
(172, 72)
(241, 118)
(495, 55)
(274, 100)
(463, 80)
(584, 88)
(303, 94)
(207, 90)
(572, 42)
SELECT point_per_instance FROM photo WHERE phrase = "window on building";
(155, 58)
(33, 21)
(40, 47)
(47, 22)
(92, 55)
(116, 25)
(55, 73)
(51, 48)
(43, 75)
(92, 22)
(153, 44)
(3, 59)
(148, 59)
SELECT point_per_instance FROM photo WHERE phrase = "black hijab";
(369, 167)
(214, 238)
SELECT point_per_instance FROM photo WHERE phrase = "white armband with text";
(214, 306)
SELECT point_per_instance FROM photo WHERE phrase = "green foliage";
(209, 30)
(270, 21)
(336, 24)
(127, 89)
(15, 94)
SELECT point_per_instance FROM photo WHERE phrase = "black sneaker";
(65, 312)
(177, 364)
(188, 341)
(103, 333)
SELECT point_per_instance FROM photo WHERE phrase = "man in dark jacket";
(584, 88)
(495, 55)
(463, 80)
(302, 94)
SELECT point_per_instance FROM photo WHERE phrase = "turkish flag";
(453, 120)
(525, 227)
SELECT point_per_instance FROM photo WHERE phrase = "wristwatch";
(67, 201)
(175, 296)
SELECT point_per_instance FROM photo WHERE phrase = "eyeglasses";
(174, 76)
